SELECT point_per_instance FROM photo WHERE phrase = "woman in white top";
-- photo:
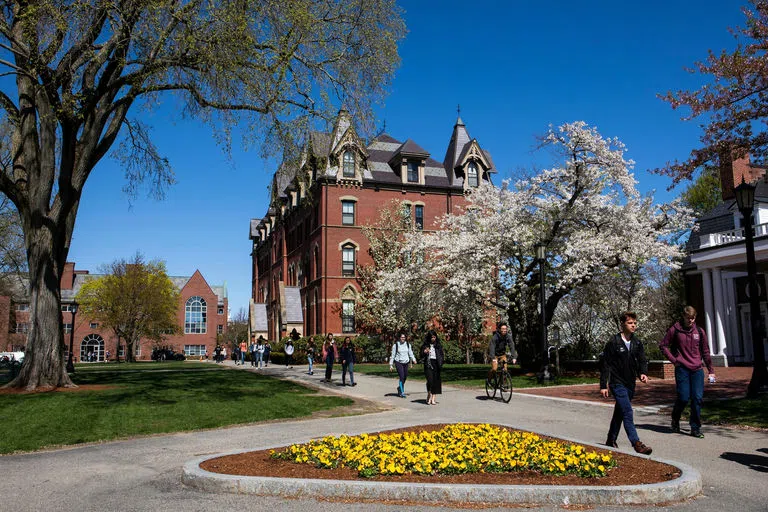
(402, 354)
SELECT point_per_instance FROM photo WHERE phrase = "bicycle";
(499, 380)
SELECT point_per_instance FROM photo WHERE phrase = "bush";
(372, 349)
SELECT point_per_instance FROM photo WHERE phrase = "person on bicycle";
(501, 342)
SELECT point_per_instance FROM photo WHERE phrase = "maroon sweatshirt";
(687, 347)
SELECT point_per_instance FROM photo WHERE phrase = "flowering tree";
(734, 102)
(586, 211)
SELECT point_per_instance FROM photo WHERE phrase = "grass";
(150, 398)
(470, 375)
(751, 412)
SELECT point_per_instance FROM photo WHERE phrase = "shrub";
(372, 349)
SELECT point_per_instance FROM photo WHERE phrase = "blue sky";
(515, 67)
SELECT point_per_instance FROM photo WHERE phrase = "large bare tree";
(79, 67)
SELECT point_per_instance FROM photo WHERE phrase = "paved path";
(143, 474)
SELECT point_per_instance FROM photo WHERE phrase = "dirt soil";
(630, 470)
(73, 389)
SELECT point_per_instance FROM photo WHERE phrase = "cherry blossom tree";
(734, 101)
(587, 211)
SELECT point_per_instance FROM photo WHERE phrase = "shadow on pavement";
(754, 462)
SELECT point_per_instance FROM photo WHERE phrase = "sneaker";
(675, 426)
(641, 448)
(611, 442)
(697, 433)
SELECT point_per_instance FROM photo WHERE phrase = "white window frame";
(473, 173)
(348, 164)
(348, 205)
(195, 316)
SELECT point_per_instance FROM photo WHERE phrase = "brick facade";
(88, 336)
(300, 242)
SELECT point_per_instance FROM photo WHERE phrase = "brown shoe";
(641, 448)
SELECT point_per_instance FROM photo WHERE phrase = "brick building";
(307, 247)
(202, 315)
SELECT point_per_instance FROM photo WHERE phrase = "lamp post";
(70, 361)
(541, 255)
(745, 199)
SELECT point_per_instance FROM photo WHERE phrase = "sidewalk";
(145, 473)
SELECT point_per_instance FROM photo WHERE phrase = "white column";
(732, 328)
(706, 278)
(719, 310)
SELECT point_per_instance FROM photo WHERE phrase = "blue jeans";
(351, 367)
(242, 358)
(259, 358)
(622, 413)
(310, 360)
(690, 387)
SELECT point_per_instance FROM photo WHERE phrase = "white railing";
(734, 235)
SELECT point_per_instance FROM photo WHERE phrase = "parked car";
(167, 354)
(12, 356)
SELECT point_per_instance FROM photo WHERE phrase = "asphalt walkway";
(144, 473)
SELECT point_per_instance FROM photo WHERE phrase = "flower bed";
(453, 449)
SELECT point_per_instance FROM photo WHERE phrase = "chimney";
(733, 171)
(68, 276)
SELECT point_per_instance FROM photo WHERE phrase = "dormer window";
(472, 174)
(348, 164)
(413, 172)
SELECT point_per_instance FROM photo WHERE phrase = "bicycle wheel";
(506, 387)
(490, 387)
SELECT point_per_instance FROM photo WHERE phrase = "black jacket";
(347, 354)
(499, 344)
(438, 354)
(621, 366)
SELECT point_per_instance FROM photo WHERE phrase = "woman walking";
(310, 354)
(347, 362)
(402, 354)
(432, 351)
(329, 356)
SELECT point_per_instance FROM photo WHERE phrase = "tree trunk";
(129, 343)
(44, 365)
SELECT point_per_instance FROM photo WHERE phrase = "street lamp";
(745, 199)
(70, 361)
(541, 256)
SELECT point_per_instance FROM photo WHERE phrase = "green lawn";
(752, 412)
(150, 398)
(469, 375)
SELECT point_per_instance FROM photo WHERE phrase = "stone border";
(683, 487)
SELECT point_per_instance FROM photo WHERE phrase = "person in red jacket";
(685, 345)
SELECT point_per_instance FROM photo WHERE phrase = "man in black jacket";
(623, 362)
(500, 341)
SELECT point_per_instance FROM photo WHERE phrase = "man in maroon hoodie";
(685, 345)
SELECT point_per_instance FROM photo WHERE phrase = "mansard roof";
(375, 158)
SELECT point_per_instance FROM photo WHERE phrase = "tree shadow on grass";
(752, 461)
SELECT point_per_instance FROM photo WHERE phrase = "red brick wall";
(329, 236)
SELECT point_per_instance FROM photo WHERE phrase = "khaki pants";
(495, 362)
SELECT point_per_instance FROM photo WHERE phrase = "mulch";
(629, 471)
(731, 383)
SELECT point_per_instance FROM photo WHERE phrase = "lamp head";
(745, 195)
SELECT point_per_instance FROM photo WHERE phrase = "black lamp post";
(541, 256)
(745, 199)
(70, 361)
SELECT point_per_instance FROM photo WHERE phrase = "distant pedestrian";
(329, 356)
(252, 349)
(223, 353)
(236, 354)
(686, 346)
(347, 356)
(289, 353)
(432, 352)
(401, 357)
(260, 349)
(217, 354)
(623, 362)
(243, 350)
(310, 355)
(267, 351)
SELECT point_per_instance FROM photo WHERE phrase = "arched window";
(92, 348)
(195, 316)
(349, 164)
(348, 260)
(472, 174)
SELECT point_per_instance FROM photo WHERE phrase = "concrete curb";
(686, 486)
